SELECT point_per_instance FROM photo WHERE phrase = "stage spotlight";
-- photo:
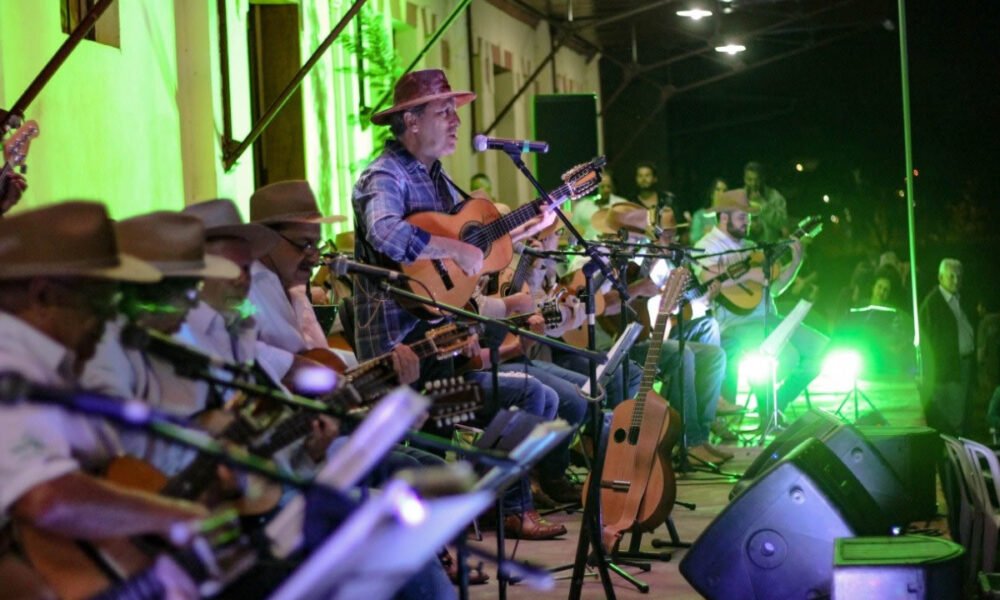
(757, 367)
(841, 367)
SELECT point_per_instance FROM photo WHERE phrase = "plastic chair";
(964, 513)
(986, 495)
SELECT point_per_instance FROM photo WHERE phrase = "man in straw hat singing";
(800, 360)
(407, 178)
(59, 269)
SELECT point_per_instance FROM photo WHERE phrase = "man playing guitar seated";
(743, 330)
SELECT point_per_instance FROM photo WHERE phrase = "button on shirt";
(966, 336)
(39, 443)
(395, 185)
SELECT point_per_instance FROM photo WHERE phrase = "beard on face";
(737, 232)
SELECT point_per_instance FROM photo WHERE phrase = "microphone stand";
(590, 532)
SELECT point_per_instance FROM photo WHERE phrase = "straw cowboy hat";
(733, 200)
(632, 217)
(289, 201)
(421, 87)
(222, 220)
(71, 239)
(174, 243)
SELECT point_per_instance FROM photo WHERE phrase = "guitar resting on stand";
(590, 532)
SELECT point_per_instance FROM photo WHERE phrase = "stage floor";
(896, 399)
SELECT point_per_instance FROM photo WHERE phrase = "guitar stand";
(853, 397)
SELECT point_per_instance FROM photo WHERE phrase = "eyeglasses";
(100, 298)
(304, 247)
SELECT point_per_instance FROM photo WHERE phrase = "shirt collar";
(408, 161)
(947, 295)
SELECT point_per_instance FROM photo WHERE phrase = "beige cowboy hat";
(289, 201)
(632, 217)
(71, 239)
(732, 200)
(174, 243)
(420, 87)
(344, 241)
(222, 220)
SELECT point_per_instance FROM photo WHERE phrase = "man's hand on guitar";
(533, 226)
(406, 364)
(324, 430)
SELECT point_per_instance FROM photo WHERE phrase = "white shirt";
(284, 326)
(126, 373)
(966, 336)
(715, 241)
(39, 443)
(205, 329)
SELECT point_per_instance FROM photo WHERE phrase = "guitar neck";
(671, 292)
(520, 275)
(200, 472)
(523, 214)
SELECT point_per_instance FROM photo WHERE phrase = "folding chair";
(962, 493)
(987, 493)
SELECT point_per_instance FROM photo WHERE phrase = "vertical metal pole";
(910, 200)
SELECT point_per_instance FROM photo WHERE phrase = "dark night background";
(838, 110)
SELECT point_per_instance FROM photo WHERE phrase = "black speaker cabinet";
(913, 453)
(776, 539)
(813, 424)
(568, 122)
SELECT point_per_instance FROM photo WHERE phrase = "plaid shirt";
(393, 186)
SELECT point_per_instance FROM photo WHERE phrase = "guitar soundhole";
(619, 436)
(470, 235)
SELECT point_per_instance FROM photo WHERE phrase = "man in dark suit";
(948, 345)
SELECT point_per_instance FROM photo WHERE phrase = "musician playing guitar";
(742, 325)
(408, 178)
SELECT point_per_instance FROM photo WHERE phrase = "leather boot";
(531, 526)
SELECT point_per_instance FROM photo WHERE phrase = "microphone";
(185, 359)
(340, 265)
(481, 143)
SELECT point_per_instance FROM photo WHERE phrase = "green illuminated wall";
(139, 127)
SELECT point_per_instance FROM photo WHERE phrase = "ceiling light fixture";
(695, 14)
(731, 49)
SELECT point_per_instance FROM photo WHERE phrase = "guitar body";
(574, 283)
(72, 572)
(447, 281)
(639, 457)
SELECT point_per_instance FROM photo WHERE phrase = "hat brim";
(461, 99)
(128, 269)
(753, 209)
(300, 218)
(260, 238)
(215, 267)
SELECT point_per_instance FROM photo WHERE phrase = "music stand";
(342, 567)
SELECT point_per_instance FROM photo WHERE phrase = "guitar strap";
(465, 196)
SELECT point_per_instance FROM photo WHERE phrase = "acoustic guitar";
(745, 297)
(478, 222)
(638, 488)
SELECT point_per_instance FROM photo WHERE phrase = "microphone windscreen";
(479, 143)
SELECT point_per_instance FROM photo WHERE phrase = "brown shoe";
(725, 407)
(701, 453)
(531, 526)
(723, 455)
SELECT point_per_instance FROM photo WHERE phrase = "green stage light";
(757, 367)
(841, 366)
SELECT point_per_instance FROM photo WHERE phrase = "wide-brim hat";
(668, 220)
(344, 241)
(420, 87)
(732, 200)
(624, 215)
(71, 239)
(289, 201)
(174, 243)
(222, 219)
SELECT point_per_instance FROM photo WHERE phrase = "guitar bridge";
(443, 274)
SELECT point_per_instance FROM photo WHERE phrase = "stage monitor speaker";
(776, 540)
(813, 424)
(913, 567)
(913, 453)
(568, 122)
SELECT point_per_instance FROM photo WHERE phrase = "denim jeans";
(704, 367)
